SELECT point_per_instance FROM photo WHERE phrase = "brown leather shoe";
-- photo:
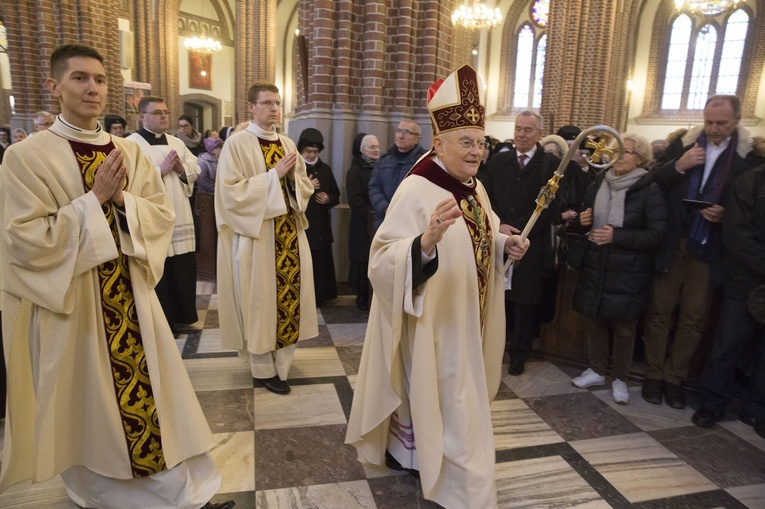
(673, 395)
(651, 391)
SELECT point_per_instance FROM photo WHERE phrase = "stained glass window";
(540, 12)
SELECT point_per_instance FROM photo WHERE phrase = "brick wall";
(35, 28)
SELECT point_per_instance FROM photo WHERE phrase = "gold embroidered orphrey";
(287, 258)
(130, 373)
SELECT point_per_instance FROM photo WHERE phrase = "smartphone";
(697, 204)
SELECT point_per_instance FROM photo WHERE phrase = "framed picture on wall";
(200, 70)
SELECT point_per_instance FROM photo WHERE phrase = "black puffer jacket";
(616, 277)
(744, 235)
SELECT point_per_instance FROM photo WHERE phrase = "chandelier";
(475, 15)
(706, 7)
(203, 45)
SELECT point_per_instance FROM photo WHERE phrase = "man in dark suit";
(513, 181)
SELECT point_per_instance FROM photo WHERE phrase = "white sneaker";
(587, 379)
(619, 392)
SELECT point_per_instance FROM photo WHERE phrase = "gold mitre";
(457, 101)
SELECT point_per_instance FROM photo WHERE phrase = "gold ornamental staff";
(601, 158)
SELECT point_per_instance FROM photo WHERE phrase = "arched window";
(704, 58)
(529, 65)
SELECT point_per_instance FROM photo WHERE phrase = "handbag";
(577, 249)
(755, 303)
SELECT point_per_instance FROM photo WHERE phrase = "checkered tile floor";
(557, 446)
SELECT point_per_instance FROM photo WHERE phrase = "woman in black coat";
(626, 218)
(366, 152)
(326, 195)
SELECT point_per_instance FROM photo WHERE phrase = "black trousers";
(520, 322)
(177, 290)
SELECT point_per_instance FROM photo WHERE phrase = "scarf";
(699, 228)
(193, 142)
(611, 195)
(369, 160)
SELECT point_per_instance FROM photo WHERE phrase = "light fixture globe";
(475, 15)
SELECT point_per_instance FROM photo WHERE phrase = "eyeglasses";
(270, 104)
(407, 132)
(159, 113)
(470, 144)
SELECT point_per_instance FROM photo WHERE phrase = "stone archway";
(215, 105)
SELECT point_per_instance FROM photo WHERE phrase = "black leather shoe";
(706, 418)
(393, 464)
(516, 367)
(221, 505)
(673, 395)
(275, 385)
(651, 391)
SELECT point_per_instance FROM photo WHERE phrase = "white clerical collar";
(156, 135)
(255, 129)
(69, 131)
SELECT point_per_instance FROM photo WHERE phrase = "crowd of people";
(99, 248)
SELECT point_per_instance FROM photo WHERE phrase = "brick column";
(36, 27)
(255, 46)
(373, 70)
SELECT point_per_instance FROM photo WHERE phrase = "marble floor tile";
(542, 483)
(228, 411)
(752, 497)
(234, 455)
(320, 317)
(352, 381)
(516, 425)
(399, 492)
(350, 356)
(641, 468)
(746, 432)
(346, 495)
(722, 457)
(305, 405)
(218, 373)
(347, 334)
(210, 319)
(376, 471)
(539, 379)
(210, 341)
(580, 416)
(323, 339)
(316, 362)
(288, 458)
(644, 415)
(49, 494)
(206, 288)
(504, 392)
(344, 314)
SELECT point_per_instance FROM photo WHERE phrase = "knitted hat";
(310, 138)
(456, 102)
(212, 143)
